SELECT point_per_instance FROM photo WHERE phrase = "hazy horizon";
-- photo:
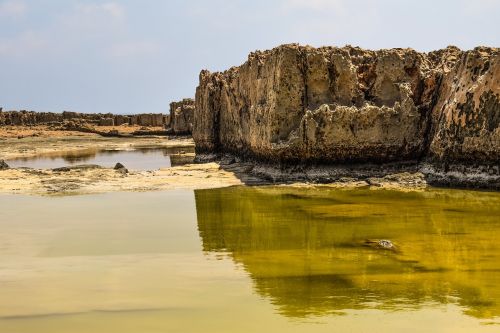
(134, 56)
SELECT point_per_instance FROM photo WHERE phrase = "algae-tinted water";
(134, 159)
(249, 260)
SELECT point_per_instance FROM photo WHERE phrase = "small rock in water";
(121, 168)
(3, 165)
(381, 244)
(386, 244)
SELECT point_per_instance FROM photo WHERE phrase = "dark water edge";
(461, 176)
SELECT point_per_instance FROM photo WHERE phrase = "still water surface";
(251, 259)
(134, 159)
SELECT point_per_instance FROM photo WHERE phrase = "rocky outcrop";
(466, 117)
(121, 168)
(148, 119)
(107, 122)
(31, 118)
(181, 117)
(348, 105)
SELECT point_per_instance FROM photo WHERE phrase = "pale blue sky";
(132, 56)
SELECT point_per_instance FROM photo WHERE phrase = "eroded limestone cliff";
(348, 105)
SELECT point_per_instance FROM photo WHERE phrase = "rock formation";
(121, 168)
(181, 117)
(148, 119)
(466, 117)
(348, 105)
(30, 118)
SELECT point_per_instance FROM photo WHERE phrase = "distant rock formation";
(27, 118)
(299, 104)
(181, 117)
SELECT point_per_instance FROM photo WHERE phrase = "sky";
(136, 56)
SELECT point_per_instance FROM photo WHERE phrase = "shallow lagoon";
(150, 158)
(248, 259)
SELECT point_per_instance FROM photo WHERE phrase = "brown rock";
(342, 105)
(120, 120)
(348, 104)
(28, 118)
(320, 104)
(148, 119)
(106, 122)
(181, 116)
(466, 117)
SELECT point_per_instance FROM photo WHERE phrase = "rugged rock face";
(466, 116)
(148, 119)
(27, 118)
(343, 105)
(181, 117)
(327, 104)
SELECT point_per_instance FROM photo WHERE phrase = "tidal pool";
(251, 259)
(135, 159)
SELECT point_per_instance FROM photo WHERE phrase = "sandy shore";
(100, 180)
(92, 179)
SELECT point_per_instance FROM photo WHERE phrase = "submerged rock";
(383, 244)
(78, 167)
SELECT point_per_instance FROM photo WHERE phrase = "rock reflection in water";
(305, 249)
(145, 158)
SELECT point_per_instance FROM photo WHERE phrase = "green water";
(251, 259)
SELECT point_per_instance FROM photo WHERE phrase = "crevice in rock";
(427, 120)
